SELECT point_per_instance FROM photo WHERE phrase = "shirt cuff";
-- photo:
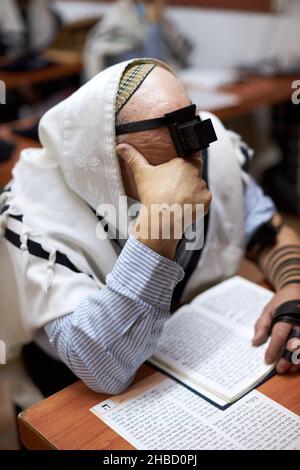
(145, 274)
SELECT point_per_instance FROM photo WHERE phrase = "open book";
(159, 414)
(207, 344)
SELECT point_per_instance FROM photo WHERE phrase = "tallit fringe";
(238, 143)
(3, 223)
(4, 197)
(50, 271)
(26, 234)
(24, 248)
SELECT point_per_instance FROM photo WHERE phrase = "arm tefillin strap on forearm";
(283, 266)
(277, 255)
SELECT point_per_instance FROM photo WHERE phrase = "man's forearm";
(281, 263)
(112, 332)
(281, 267)
(164, 247)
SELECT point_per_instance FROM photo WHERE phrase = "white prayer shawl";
(42, 24)
(55, 187)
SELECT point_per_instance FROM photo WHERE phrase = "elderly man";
(99, 304)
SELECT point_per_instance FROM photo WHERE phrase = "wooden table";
(64, 421)
(66, 64)
(256, 92)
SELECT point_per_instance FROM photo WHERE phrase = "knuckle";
(203, 185)
(131, 160)
(208, 197)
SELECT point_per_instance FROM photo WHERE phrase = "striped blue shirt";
(112, 332)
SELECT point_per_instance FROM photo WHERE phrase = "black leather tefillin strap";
(288, 312)
(295, 333)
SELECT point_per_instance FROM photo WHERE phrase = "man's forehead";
(161, 92)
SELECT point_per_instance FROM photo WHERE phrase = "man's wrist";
(142, 273)
(150, 232)
(165, 248)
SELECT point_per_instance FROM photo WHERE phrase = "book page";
(235, 302)
(208, 343)
(209, 354)
(257, 422)
(153, 418)
(158, 414)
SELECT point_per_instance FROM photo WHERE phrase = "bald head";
(160, 93)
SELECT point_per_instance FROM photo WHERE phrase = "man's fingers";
(293, 345)
(262, 327)
(277, 344)
(134, 159)
(283, 365)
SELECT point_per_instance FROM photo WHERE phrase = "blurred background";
(237, 58)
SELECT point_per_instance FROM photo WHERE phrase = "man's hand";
(176, 182)
(280, 331)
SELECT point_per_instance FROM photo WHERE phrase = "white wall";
(222, 38)
(228, 38)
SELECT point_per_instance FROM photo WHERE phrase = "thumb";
(263, 325)
(134, 159)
